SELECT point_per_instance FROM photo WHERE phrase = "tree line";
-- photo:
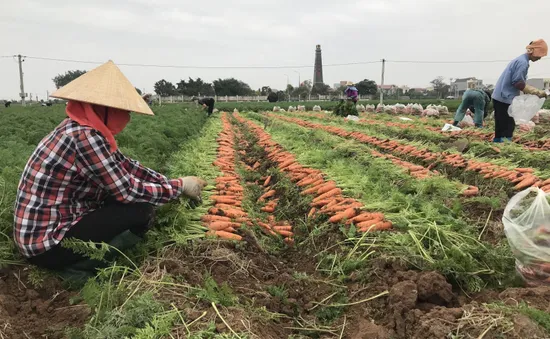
(233, 87)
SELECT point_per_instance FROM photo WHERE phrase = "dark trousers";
(101, 225)
(504, 124)
(210, 109)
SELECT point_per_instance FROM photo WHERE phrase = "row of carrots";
(417, 171)
(227, 215)
(328, 197)
(539, 145)
(521, 177)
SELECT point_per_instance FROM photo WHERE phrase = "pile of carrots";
(227, 215)
(328, 199)
(522, 177)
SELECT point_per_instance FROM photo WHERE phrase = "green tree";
(265, 90)
(441, 89)
(304, 89)
(320, 89)
(194, 87)
(281, 96)
(62, 79)
(231, 87)
(366, 87)
(165, 88)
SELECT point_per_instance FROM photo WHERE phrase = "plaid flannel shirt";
(68, 176)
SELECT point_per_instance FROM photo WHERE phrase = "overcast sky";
(268, 33)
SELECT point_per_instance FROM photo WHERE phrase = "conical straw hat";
(105, 86)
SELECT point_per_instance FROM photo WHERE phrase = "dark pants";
(504, 124)
(101, 225)
(210, 109)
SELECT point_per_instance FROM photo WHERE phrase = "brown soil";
(44, 312)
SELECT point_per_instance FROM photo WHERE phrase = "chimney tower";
(318, 70)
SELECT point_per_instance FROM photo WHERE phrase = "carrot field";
(311, 226)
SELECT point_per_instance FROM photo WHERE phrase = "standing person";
(478, 102)
(351, 92)
(148, 99)
(77, 183)
(207, 103)
(511, 82)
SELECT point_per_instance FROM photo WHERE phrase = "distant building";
(539, 83)
(318, 68)
(459, 86)
(340, 84)
(388, 89)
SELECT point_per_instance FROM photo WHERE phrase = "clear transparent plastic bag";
(527, 226)
(524, 107)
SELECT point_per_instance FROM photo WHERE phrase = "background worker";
(477, 101)
(351, 92)
(511, 82)
(207, 104)
(77, 184)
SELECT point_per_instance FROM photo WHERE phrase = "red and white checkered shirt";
(68, 176)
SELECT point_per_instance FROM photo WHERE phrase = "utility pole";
(22, 85)
(382, 82)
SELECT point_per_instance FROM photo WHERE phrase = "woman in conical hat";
(351, 92)
(77, 184)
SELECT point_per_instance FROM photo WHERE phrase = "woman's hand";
(192, 188)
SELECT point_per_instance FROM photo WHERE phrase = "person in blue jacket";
(511, 82)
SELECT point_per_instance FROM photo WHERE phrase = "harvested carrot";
(311, 212)
(526, 183)
(347, 214)
(367, 216)
(326, 187)
(228, 235)
(282, 228)
(211, 218)
(332, 193)
(266, 195)
(268, 209)
(285, 233)
(525, 170)
(289, 241)
(267, 180)
(286, 163)
(369, 223)
(377, 227)
(221, 225)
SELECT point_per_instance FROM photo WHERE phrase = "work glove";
(534, 91)
(192, 188)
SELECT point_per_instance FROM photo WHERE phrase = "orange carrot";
(326, 187)
(221, 225)
(266, 195)
(228, 235)
(525, 170)
(267, 180)
(282, 228)
(320, 203)
(211, 218)
(311, 212)
(377, 227)
(268, 209)
(367, 216)
(347, 214)
(285, 233)
(369, 223)
(526, 183)
(332, 193)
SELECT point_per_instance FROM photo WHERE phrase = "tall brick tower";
(318, 70)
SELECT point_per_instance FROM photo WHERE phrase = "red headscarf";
(85, 115)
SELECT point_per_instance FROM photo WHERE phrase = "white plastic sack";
(544, 115)
(360, 108)
(527, 226)
(405, 119)
(379, 108)
(369, 108)
(276, 109)
(352, 118)
(291, 109)
(317, 108)
(430, 112)
(524, 107)
(301, 108)
(466, 122)
(450, 128)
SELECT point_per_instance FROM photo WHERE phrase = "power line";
(450, 62)
(202, 67)
(7, 56)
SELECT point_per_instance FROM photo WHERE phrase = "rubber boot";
(455, 123)
(83, 270)
(497, 140)
(509, 139)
